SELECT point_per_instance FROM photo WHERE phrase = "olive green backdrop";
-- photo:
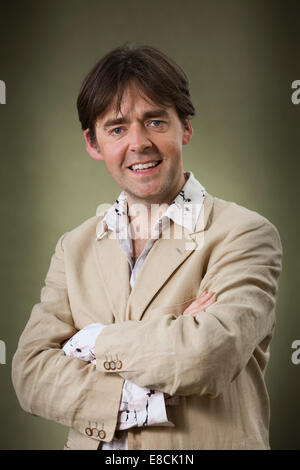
(241, 58)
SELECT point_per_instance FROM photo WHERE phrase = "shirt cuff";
(141, 407)
(82, 344)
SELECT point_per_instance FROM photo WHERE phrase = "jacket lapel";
(164, 258)
(114, 272)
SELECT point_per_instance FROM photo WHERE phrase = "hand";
(200, 304)
(171, 400)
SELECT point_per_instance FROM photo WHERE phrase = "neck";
(143, 215)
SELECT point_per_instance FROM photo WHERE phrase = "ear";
(92, 148)
(187, 132)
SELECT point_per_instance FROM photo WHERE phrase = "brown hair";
(156, 75)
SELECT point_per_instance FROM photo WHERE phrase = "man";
(156, 317)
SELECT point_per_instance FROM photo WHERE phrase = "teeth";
(144, 166)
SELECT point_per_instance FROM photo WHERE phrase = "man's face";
(143, 132)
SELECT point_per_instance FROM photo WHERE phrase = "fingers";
(203, 307)
(172, 401)
(204, 296)
(202, 299)
(200, 304)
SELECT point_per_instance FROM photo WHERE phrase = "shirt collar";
(184, 210)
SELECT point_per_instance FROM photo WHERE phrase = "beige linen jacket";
(215, 362)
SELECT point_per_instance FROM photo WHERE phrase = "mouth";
(145, 168)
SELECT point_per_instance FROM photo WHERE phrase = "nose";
(138, 139)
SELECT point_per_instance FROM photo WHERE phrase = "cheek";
(172, 150)
(114, 157)
(172, 144)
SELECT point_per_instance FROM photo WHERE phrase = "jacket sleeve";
(188, 355)
(52, 385)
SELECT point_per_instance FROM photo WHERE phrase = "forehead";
(134, 102)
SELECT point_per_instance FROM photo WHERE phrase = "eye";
(78, 350)
(156, 122)
(116, 131)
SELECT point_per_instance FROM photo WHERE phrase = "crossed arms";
(187, 355)
(139, 406)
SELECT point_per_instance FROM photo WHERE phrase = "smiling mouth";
(145, 166)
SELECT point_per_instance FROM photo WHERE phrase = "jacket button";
(101, 434)
(106, 365)
(88, 431)
(119, 364)
(112, 365)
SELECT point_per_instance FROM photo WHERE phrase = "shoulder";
(230, 218)
(81, 236)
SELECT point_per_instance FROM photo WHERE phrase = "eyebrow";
(146, 115)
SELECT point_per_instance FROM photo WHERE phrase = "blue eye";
(155, 122)
(115, 131)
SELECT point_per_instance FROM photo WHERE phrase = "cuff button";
(112, 365)
(101, 434)
(95, 432)
(88, 431)
(119, 364)
(106, 365)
